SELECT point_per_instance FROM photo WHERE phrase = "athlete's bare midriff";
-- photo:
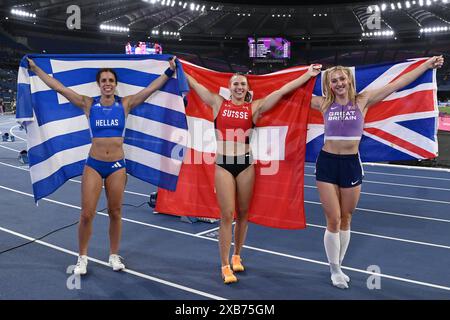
(107, 149)
(341, 146)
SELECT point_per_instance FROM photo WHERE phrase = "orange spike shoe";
(227, 275)
(236, 263)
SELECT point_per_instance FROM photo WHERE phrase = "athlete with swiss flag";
(234, 170)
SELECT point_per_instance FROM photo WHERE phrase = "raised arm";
(377, 95)
(316, 102)
(83, 102)
(129, 102)
(271, 100)
(211, 99)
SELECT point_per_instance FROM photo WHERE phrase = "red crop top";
(233, 122)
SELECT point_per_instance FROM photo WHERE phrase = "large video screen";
(143, 47)
(270, 48)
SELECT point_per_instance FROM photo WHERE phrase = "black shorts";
(344, 170)
(234, 164)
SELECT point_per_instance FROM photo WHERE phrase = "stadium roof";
(231, 19)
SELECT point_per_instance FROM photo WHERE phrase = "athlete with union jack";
(339, 171)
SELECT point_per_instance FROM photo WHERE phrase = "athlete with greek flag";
(107, 116)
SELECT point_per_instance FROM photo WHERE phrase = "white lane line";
(245, 246)
(210, 230)
(390, 196)
(389, 238)
(407, 198)
(366, 163)
(375, 164)
(11, 132)
(427, 284)
(399, 175)
(318, 203)
(312, 202)
(406, 175)
(361, 233)
(13, 143)
(390, 213)
(98, 212)
(394, 184)
(365, 181)
(11, 149)
(135, 273)
(406, 185)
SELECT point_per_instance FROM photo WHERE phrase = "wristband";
(169, 72)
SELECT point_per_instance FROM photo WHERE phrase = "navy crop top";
(107, 121)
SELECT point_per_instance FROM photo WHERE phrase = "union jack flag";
(401, 127)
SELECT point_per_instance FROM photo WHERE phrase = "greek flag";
(58, 134)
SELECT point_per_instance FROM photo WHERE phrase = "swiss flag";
(278, 144)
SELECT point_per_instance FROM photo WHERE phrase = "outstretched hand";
(31, 64)
(314, 69)
(435, 62)
(172, 63)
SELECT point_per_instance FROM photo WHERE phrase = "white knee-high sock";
(331, 242)
(332, 245)
(344, 237)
